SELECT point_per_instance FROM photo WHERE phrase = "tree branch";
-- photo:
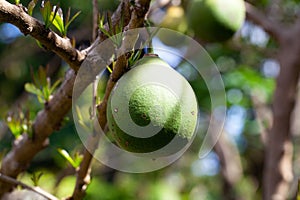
(95, 19)
(278, 172)
(37, 190)
(278, 169)
(231, 165)
(83, 176)
(47, 120)
(273, 28)
(16, 15)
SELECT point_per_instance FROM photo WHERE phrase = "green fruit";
(150, 106)
(176, 21)
(216, 20)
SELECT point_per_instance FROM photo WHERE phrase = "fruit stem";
(151, 55)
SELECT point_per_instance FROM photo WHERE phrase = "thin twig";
(95, 19)
(28, 25)
(278, 163)
(231, 166)
(37, 190)
(272, 27)
(83, 173)
(47, 121)
(83, 177)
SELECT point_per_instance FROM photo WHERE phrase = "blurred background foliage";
(248, 69)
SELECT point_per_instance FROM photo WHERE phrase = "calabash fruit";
(152, 108)
(215, 20)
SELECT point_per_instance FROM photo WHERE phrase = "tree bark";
(278, 173)
(136, 20)
(28, 25)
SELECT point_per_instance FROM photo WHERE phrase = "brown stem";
(47, 120)
(273, 28)
(278, 172)
(16, 15)
(37, 190)
(95, 19)
(83, 175)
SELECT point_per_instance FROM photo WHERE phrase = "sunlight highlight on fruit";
(216, 20)
(151, 106)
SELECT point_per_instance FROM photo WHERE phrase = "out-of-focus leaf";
(31, 6)
(77, 159)
(14, 126)
(248, 80)
(54, 86)
(67, 156)
(71, 20)
(57, 21)
(298, 192)
(46, 12)
(39, 44)
(29, 87)
(42, 76)
(36, 177)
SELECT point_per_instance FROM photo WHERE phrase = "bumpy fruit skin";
(151, 103)
(216, 20)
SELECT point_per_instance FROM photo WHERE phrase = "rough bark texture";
(278, 172)
(28, 25)
(47, 120)
(138, 13)
(279, 150)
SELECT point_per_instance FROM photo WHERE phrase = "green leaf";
(67, 156)
(46, 12)
(54, 86)
(77, 159)
(41, 99)
(29, 87)
(46, 94)
(16, 122)
(15, 127)
(42, 77)
(78, 112)
(17, 2)
(31, 6)
(57, 21)
(36, 177)
(71, 20)
(81, 120)
(103, 30)
(39, 44)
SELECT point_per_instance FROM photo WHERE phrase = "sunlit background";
(248, 70)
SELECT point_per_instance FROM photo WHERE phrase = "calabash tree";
(217, 25)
